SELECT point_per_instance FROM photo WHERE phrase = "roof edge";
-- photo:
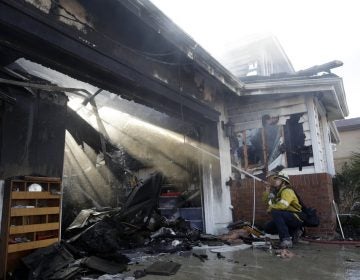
(156, 19)
(332, 85)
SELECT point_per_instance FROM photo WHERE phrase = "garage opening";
(113, 145)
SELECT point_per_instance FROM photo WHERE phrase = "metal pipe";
(338, 219)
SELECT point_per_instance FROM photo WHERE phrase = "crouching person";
(284, 208)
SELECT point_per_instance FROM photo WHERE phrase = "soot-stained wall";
(32, 133)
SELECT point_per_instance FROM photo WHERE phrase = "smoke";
(167, 151)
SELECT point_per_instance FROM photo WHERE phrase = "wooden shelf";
(12, 248)
(34, 195)
(16, 212)
(34, 228)
(39, 224)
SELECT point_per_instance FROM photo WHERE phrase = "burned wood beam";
(102, 130)
(91, 98)
(102, 63)
(326, 67)
(83, 132)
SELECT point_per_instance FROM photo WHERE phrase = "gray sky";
(311, 32)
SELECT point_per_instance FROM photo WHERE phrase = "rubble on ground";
(102, 243)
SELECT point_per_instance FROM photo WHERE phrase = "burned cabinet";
(31, 218)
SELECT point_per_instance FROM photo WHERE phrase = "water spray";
(241, 171)
(232, 165)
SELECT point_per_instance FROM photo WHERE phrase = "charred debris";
(104, 243)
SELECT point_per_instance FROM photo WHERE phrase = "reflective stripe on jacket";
(285, 199)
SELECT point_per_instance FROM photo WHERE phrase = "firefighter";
(284, 208)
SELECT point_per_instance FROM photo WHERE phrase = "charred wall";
(32, 133)
(268, 132)
(137, 61)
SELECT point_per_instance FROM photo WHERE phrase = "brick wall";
(316, 190)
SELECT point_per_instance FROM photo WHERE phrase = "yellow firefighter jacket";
(285, 200)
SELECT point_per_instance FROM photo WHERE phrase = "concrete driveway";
(311, 261)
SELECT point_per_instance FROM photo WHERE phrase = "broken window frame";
(244, 158)
(291, 158)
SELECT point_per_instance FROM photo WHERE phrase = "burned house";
(284, 118)
(104, 94)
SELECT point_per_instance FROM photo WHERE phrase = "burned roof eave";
(25, 30)
(331, 92)
(156, 19)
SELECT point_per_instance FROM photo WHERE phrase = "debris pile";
(241, 232)
(102, 241)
